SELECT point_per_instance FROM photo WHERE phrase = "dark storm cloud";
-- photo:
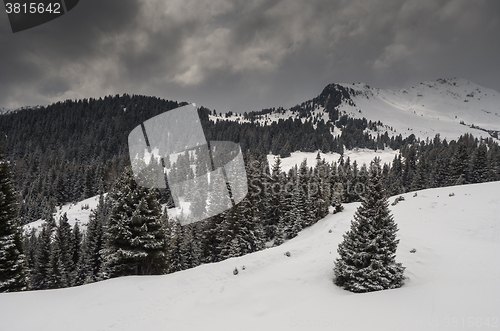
(247, 55)
(54, 58)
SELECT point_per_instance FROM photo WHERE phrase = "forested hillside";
(72, 150)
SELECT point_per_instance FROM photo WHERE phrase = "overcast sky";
(247, 55)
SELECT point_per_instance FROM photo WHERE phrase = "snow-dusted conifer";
(94, 242)
(136, 242)
(12, 260)
(479, 172)
(77, 257)
(368, 251)
(42, 270)
(61, 262)
(174, 256)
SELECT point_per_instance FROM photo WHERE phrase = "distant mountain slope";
(452, 281)
(450, 107)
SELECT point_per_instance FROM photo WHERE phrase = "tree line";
(76, 149)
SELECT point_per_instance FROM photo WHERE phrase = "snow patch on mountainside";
(274, 117)
(360, 155)
(450, 107)
(452, 281)
(76, 212)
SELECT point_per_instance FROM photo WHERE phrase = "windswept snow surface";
(453, 281)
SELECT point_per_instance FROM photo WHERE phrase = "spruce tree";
(174, 256)
(61, 262)
(12, 260)
(367, 253)
(459, 165)
(94, 242)
(42, 269)
(30, 242)
(136, 242)
(479, 172)
(77, 257)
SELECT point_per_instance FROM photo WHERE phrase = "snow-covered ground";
(429, 108)
(453, 281)
(76, 213)
(360, 155)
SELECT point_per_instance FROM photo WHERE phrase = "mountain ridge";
(448, 107)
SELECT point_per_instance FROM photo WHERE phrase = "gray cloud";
(246, 55)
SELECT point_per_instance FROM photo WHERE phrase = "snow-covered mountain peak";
(450, 107)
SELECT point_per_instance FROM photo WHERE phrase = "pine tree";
(61, 262)
(280, 232)
(13, 273)
(30, 243)
(459, 165)
(42, 269)
(77, 257)
(367, 253)
(275, 192)
(420, 179)
(174, 256)
(94, 242)
(479, 172)
(249, 234)
(136, 242)
(189, 249)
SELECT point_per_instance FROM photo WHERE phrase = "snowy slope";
(360, 155)
(76, 212)
(453, 281)
(429, 108)
(450, 107)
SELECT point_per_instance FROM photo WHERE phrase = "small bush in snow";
(400, 198)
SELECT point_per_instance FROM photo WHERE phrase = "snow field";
(424, 110)
(360, 155)
(429, 108)
(453, 281)
(76, 212)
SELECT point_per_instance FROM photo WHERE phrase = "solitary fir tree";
(12, 260)
(367, 254)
